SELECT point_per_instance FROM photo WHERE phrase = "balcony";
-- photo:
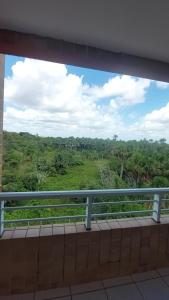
(94, 253)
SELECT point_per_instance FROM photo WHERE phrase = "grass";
(85, 176)
(78, 177)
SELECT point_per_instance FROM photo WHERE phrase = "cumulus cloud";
(153, 125)
(125, 90)
(42, 97)
(162, 85)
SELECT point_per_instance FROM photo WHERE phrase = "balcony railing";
(155, 197)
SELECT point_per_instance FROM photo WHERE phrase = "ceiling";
(135, 27)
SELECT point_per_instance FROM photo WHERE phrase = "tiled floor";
(153, 285)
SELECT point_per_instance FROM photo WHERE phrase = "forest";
(34, 163)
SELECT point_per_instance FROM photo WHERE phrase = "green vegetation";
(33, 163)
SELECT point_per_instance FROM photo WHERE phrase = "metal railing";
(89, 204)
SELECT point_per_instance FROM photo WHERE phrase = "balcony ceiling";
(139, 28)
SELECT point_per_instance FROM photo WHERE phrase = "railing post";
(88, 213)
(1, 217)
(156, 208)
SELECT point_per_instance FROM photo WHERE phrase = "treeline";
(31, 162)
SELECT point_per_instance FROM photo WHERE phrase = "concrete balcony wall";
(43, 257)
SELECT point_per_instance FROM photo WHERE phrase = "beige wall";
(2, 61)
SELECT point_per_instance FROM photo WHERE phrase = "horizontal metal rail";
(124, 213)
(11, 196)
(121, 202)
(159, 195)
(30, 207)
(27, 207)
(43, 219)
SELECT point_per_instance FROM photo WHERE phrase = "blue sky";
(59, 100)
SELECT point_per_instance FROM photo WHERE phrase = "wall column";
(2, 64)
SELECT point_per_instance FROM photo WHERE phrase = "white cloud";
(125, 90)
(162, 85)
(42, 97)
(153, 125)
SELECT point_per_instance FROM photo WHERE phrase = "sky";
(51, 99)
